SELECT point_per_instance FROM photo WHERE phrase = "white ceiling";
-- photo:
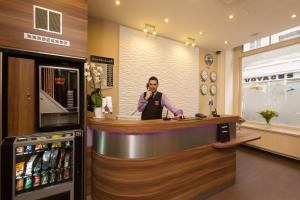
(188, 17)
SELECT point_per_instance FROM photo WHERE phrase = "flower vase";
(268, 124)
(98, 112)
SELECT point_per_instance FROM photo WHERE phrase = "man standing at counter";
(151, 102)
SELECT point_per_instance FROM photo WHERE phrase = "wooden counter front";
(161, 160)
(143, 126)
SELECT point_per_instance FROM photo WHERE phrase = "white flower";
(86, 66)
(88, 78)
(101, 70)
(93, 65)
(97, 80)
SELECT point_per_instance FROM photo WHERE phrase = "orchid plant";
(94, 74)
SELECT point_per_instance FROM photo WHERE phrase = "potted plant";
(94, 74)
(268, 115)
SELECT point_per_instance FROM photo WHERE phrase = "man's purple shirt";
(164, 103)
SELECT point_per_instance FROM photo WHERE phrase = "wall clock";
(208, 59)
(213, 90)
(213, 76)
(204, 75)
(203, 89)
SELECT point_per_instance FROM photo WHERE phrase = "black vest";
(153, 110)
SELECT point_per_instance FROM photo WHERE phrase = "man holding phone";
(151, 102)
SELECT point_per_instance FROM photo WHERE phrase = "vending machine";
(42, 126)
(41, 166)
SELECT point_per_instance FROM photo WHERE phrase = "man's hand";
(148, 95)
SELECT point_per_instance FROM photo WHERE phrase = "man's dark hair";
(153, 78)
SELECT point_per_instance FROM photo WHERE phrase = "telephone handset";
(147, 87)
(200, 115)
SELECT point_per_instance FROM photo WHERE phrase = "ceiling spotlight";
(293, 16)
(117, 2)
(231, 16)
(200, 33)
(166, 20)
(190, 41)
(225, 42)
(150, 29)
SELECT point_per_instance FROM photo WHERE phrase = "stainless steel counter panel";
(154, 144)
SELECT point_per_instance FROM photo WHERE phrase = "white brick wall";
(174, 64)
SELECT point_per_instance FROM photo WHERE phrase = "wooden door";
(21, 96)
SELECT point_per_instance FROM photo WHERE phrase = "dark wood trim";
(239, 139)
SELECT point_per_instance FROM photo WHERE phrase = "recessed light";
(117, 2)
(187, 43)
(145, 30)
(225, 42)
(166, 20)
(293, 16)
(231, 16)
(193, 44)
(154, 33)
(200, 33)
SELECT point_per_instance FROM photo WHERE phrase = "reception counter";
(156, 159)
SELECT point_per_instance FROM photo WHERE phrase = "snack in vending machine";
(28, 183)
(56, 144)
(67, 144)
(20, 168)
(36, 180)
(52, 176)
(20, 184)
(38, 147)
(67, 159)
(45, 178)
(37, 166)
(59, 175)
(66, 173)
(19, 150)
(29, 165)
(28, 149)
(46, 159)
(61, 158)
(53, 158)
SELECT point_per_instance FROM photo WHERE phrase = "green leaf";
(97, 100)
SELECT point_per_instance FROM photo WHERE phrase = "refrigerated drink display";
(43, 160)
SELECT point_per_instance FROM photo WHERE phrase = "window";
(271, 80)
(275, 38)
(47, 20)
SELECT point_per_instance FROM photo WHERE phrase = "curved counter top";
(144, 126)
(151, 138)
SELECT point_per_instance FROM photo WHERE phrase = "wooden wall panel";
(16, 17)
(22, 98)
(197, 172)
(88, 172)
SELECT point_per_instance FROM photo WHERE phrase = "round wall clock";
(213, 90)
(213, 76)
(203, 89)
(204, 75)
(208, 59)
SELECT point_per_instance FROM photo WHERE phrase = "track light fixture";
(190, 41)
(150, 29)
